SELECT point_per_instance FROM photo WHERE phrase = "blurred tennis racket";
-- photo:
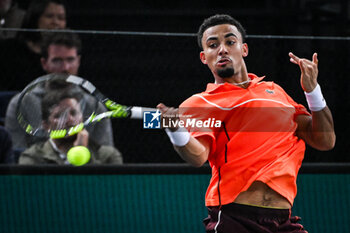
(30, 112)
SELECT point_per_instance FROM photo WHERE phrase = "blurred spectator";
(10, 17)
(61, 54)
(20, 60)
(6, 152)
(42, 14)
(62, 108)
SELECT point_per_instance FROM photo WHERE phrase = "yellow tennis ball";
(78, 155)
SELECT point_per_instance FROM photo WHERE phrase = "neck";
(241, 80)
(243, 84)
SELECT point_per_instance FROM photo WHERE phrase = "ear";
(43, 63)
(202, 57)
(245, 49)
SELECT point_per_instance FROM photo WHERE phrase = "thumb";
(315, 59)
(82, 139)
(162, 107)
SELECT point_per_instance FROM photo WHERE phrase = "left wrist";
(315, 99)
(310, 88)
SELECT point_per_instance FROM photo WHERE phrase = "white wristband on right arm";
(180, 137)
(315, 99)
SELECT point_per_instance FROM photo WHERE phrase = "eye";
(57, 61)
(213, 45)
(73, 112)
(231, 42)
(70, 59)
(61, 17)
(57, 116)
(48, 15)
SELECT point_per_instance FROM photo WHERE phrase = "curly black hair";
(217, 20)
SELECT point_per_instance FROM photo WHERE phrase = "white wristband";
(180, 137)
(315, 99)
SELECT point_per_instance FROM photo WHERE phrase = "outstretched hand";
(309, 71)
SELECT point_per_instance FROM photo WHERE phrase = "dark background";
(266, 17)
(147, 69)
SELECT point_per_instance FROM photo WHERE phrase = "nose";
(55, 20)
(65, 119)
(70, 120)
(65, 66)
(223, 49)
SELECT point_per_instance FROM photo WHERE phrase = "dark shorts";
(237, 218)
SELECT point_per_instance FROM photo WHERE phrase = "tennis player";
(256, 154)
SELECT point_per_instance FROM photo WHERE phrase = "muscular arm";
(195, 152)
(317, 130)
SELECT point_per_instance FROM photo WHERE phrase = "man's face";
(223, 50)
(61, 59)
(65, 114)
(54, 17)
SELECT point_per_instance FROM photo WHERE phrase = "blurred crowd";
(31, 41)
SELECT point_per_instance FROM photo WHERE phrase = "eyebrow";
(230, 34)
(226, 36)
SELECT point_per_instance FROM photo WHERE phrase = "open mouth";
(223, 61)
